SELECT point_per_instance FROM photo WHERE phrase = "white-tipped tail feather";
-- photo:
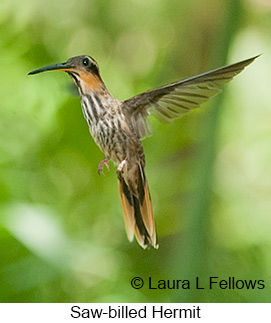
(137, 212)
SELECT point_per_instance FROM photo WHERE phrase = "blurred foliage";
(209, 173)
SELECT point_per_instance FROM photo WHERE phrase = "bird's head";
(83, 70)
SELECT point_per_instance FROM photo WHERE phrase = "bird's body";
(115, 135)
(108, 126)
(118, 127)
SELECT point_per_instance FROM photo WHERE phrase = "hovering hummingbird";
(119, 126)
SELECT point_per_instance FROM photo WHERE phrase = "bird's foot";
(101, 165)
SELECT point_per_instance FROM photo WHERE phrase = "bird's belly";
(112, 141)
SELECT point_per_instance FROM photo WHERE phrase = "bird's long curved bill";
(56, 67)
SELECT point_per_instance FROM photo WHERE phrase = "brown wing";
(172, 101)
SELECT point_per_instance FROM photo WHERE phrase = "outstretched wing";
(173, 100)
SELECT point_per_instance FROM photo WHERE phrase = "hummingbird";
(118, 127)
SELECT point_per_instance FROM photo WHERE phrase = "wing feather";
(173, 100)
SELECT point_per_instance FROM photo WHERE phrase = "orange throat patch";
(90, 82)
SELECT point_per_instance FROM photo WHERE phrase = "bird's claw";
(101, 165)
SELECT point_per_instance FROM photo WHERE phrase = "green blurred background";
(62, 236)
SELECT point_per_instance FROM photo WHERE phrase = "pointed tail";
(137, 211)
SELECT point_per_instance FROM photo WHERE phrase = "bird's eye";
(85, 61)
